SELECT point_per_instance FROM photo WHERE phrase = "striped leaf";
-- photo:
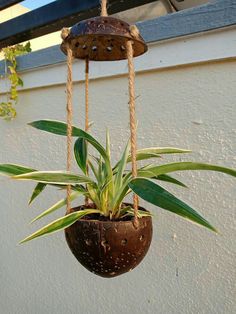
(38, 189)
(60, 224)
(54, 177)
(180, 166)
(13, 170)
(58, 205)
(153, 152)
(80, 152)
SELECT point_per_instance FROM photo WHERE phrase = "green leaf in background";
(13, 170)
(166, 178)
(80, 151)
(38, 189)
(54, 177)
(108, 168)
(60, 128)
(158, 196)
(121, 167)
(180, 166)
(153, 152)
(60, 223)
(58, 205)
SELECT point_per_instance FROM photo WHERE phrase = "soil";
(103, 218)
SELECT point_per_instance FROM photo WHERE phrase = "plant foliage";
(107, 185)
(7, 109)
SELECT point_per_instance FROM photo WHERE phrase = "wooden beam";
(54, 16)
(8, 3)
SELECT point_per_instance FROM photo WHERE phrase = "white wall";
(188, 269)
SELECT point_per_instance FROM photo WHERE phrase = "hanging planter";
(107, 235)
(109, 248)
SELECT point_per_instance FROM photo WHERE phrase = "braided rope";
(69, 111)
(130, 53)
(104, 8)
(86, 110)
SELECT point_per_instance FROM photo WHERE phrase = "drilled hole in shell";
(104, 242)
(124, 242)
(94, 48)
(109, 48)
(141, 238)
(88, 242)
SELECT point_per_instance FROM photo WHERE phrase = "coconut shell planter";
(109, 248)
(105, 247)
(107, 235)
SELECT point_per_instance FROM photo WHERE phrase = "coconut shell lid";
(103, 39)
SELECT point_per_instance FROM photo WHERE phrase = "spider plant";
(107, 185)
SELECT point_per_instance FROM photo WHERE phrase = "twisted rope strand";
(104, 8)
(130, 53)
(87, 94)
(69, 111)
(86, 110)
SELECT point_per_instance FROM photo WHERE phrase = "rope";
(69, 86)
(104, 8)
(86, 94)
(86, 110)
(130, 53)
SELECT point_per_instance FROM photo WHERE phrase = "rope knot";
(134, 31)
(65, 32)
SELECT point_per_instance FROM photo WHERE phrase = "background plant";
(7, 108)
(108, 185)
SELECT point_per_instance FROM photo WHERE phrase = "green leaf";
(180, 166)
(60, 128)
(151, 152)
(27, 47)
(141, 213)
(12, 169)
(81, 153)
(20, 82)
(108, 148)
(94, 170)
(108, 168)
(121, 167)
(122, 192)
(38, 189)
(60, 224)
(166, 178)
(54, 177)
(58, 205)
(158, 196)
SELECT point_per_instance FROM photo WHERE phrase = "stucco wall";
(188, 269)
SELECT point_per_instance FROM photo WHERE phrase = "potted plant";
(101, 233)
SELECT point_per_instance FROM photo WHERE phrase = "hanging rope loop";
(65, 33)
(86, 94)
(86, 201)
(104, 8)
(133, 123)
(69, 86)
